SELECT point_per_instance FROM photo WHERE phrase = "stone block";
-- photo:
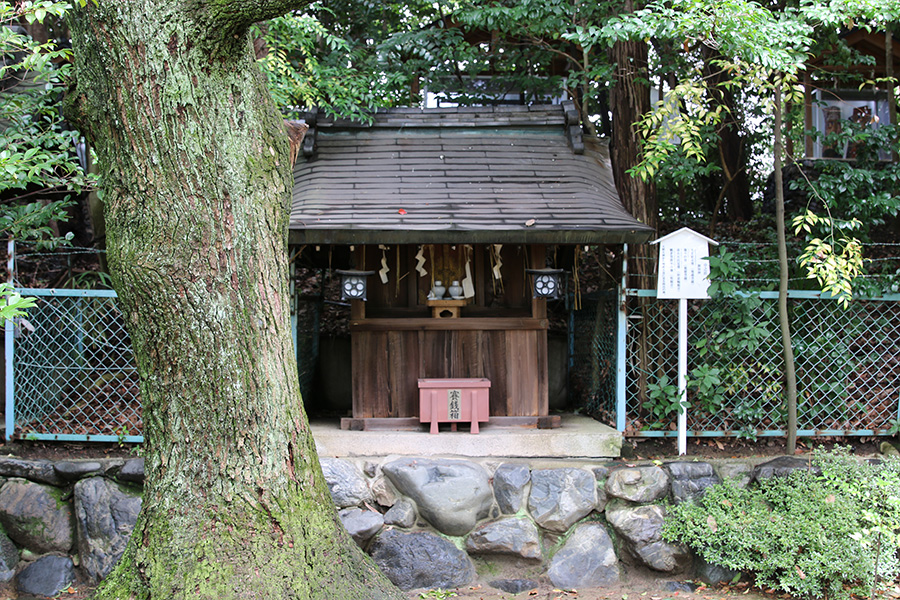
(452, 495)
(362, 525)
(40, 471)
(35, 516)
(638, 484)
(421, 560)
(347, 484)
(560, 497)
(515, 536)
(105, 515)
(781, 466)
(46, 577)
(401, 514)
(640, 533)
(689, 480)
(509, 486)
(132, 471)
(587, 559)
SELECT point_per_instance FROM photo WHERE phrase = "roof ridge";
(461, 116)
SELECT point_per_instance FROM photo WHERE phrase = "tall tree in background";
(630, 102)
(196, 169)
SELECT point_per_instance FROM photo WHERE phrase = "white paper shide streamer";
(420, 262)
(497, 262)
(468, 287)
(383, 273)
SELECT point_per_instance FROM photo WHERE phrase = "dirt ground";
(624, 591)
(629, 590)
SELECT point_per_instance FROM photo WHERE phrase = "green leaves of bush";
(821, 535)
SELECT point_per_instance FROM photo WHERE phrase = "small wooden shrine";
(476, 199)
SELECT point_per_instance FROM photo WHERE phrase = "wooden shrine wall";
(390, 355)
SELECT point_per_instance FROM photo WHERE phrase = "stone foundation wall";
(579, 524)
(59, 516)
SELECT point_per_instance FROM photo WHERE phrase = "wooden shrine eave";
(488, 175)
(399, 235)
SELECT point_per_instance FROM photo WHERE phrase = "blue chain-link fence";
(70, 370)
(847, 363)
(71, 373)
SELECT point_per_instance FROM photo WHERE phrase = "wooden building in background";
(830, 101)
(479, 194)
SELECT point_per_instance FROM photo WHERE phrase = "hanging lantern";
(546, 282)
(353, 284)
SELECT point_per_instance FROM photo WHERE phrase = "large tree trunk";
(734, 185)
(196, 174)
(630, 101)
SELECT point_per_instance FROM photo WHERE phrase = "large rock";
(46, 577)
(35, 516)
(346, 482)
(452, 495)
(41, 471)
(9, 558)
(73, 470)
(640, 530)
(506, 536)
(401, 514)
(132, 471)
(514, 586)
(560, 497)
(739, 472)
(587, 559)
(509, 486)
(781, 466)
(689, 480)
(105, 514)
(421, 560)
(638, 484)
(714, 574)
(383, 492)
(361, 524)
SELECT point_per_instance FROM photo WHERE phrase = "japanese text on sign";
(454, 400)
(683, 268)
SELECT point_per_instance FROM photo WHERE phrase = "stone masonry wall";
(575, 523)
(59, 516)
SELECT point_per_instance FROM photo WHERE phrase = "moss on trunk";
(197, 182)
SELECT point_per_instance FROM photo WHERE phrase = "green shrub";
(817, 535)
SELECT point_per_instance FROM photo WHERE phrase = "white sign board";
(683, 270)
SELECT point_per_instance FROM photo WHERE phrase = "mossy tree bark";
(196, 174)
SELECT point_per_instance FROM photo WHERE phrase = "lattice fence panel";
(74, 370)
(847, 362)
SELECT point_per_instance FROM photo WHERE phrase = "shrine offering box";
(453, 401)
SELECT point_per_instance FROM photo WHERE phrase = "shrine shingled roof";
(512, 174)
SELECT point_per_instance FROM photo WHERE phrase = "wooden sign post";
(683, 274)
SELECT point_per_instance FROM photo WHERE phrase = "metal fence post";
(621, 342)
(9, 332)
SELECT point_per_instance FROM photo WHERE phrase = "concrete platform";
(577, 437)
